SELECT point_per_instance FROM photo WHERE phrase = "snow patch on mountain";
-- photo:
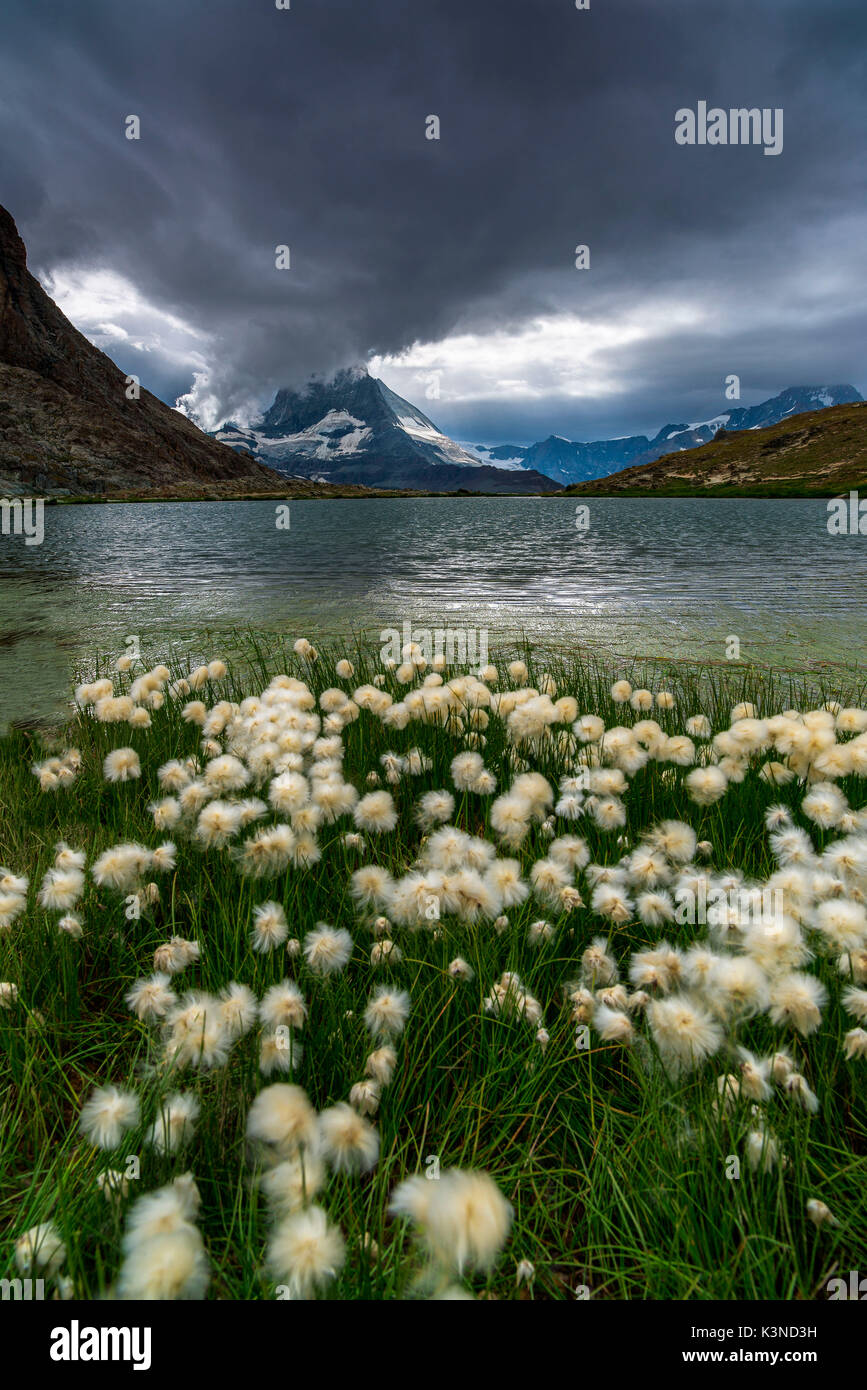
(486, 454)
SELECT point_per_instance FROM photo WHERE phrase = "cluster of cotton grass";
(297, 1149)
(275, 744)
(692, 1004)
(146, 692)
(462, 1216)
(268, 785)
(164, 1254)
(57, 772)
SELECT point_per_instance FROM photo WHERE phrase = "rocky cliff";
(66, 424)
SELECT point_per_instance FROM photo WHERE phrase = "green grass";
(617, 1174)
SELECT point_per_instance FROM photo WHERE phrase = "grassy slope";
(617, 1175)
(818, 454)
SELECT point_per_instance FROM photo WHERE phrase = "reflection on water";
(672, 577)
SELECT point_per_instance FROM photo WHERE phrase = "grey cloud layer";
(306, 127)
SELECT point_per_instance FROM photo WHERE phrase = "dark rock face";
(66, 425)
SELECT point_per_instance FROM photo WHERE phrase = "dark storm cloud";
(306, 127)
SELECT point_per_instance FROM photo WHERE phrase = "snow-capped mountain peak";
(354, 428)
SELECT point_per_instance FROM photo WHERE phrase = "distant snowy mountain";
(573, 462)
(353, 429)
(499, 455)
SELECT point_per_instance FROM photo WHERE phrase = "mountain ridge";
(575, 461)
(67, 426)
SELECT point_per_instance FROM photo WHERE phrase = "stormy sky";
(447, 264)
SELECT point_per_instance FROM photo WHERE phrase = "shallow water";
(672, 578)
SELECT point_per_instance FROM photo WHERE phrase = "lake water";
(668, 578)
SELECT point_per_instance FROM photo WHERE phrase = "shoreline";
(353, 492)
